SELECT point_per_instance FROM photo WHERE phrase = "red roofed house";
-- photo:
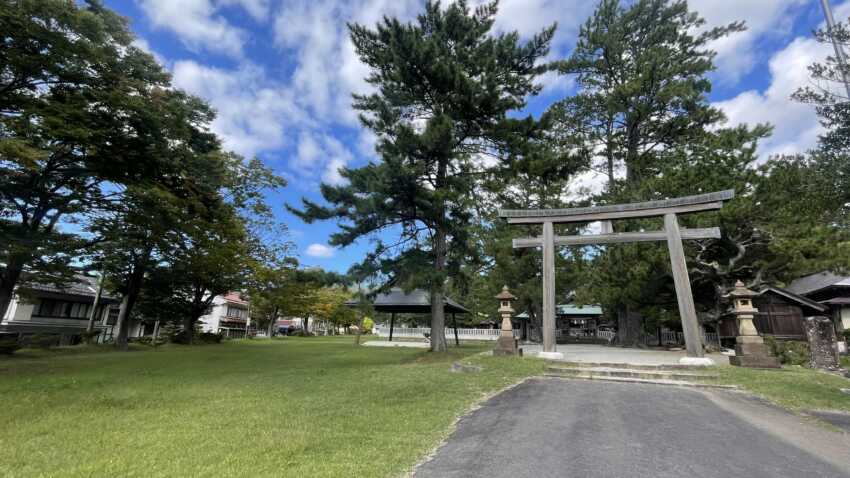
(228, 315)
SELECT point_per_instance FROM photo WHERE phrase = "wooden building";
(781, 314)
(831, 290)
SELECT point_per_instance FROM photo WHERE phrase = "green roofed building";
(571, 320)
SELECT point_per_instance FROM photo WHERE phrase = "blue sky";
(280, 73)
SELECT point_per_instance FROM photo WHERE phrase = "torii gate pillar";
(684, 296)
(549, 326)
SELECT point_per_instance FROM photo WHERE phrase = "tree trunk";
(359, 330)
(438, 313)
(609, 151)
(93, 312)
(305, 325)
(273, 321)
(8, 280)
(189, 327)
(134, 286)
(628, 327)
(155, 333)
(535, 321)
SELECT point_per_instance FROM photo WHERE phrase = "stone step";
(679, 383)
(631, 373)
(630, 366)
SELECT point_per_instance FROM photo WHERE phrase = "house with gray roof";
(62, 310)
(832, 290)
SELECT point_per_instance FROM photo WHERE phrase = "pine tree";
(641, 70)
(444, 85)
(642, 104)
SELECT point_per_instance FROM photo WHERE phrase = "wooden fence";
(670, 337)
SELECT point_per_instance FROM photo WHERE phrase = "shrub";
(180, 337)
(89, 337)
(8, 345)
(43, 341)
(169, 331)
(846, 334)
(210, 338)
(367, 325)
(789, 352)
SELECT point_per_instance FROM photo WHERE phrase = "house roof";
(815, 282)
(235, 297)
(415, 301)
(795, 297)
(578, 309)
(571, 309)
(81, 285)
(837, 301)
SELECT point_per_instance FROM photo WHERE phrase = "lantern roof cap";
(741, 291)
(505, 294)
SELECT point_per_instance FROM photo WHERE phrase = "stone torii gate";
(669, 209)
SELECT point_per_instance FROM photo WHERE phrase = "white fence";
(420, 332)
(667, 337)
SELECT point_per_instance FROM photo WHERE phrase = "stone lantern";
(750, 350)
(506, 344)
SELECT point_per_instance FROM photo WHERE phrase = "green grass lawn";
(291, 407)
(792, 387)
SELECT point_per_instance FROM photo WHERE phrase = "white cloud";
(796, 126)
(320, 250)
(199, 25)
(736, 54)
(253, 113)
(327, 68)
(320, 152)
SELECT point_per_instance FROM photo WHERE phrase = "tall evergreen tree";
(444, 87)
(641, 70)
(642, 109)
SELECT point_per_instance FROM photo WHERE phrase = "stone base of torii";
(669, 209)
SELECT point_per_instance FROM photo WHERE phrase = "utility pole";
(840, 57)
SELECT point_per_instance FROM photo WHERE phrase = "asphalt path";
(576, 428)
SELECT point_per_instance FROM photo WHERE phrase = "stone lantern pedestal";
(506, 344)
(750, 350)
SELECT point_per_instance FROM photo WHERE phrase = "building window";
(61, 309)
(237, 312)
(112, 317)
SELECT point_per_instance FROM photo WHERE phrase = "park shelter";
(416, 301)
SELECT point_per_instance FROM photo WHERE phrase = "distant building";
(63, 311)
(228, 315)
(830, 289)
(574, 320)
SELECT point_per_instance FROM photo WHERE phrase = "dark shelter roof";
(417, 301)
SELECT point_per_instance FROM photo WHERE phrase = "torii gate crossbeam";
(668, 208)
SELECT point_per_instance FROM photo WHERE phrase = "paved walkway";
(610, 354)
(575, 428)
